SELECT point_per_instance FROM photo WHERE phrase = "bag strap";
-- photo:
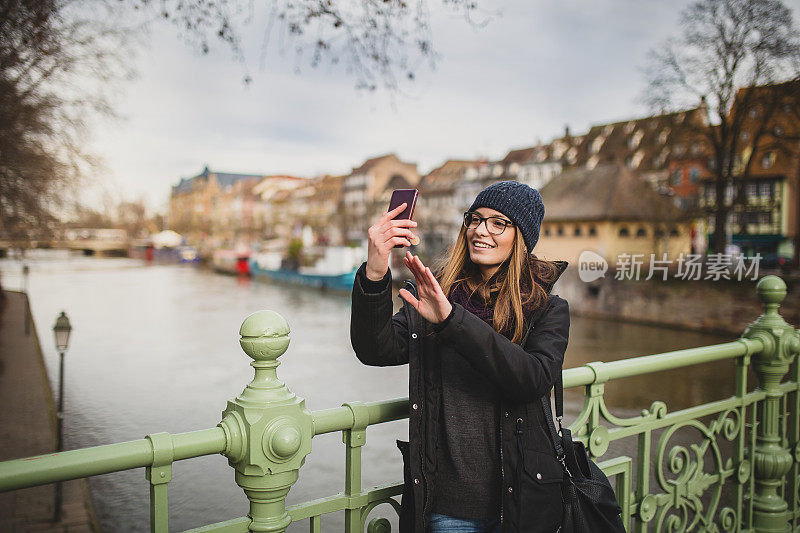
(554, 434)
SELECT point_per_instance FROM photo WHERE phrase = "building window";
(765, 218)
(623, 231)
(679, 149)
(695, 148)
(673, 232)
(663, 135)
(577, 232)
(753, 113)
(641, 232)
(560, 231)
(778, 131)
(546, 232)
(745, 136)
(592, 231)
(767, 160)
(765, 190)
(694, 175)
(675, 178)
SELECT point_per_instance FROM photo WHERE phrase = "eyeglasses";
(494, 225)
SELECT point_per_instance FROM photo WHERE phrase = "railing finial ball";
(771, 290)
(265, 335)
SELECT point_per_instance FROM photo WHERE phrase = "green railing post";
(268, 428)
(771, 459)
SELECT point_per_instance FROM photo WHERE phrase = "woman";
(484, 341)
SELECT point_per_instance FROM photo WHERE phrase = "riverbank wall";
(722, 306)
(28, 428)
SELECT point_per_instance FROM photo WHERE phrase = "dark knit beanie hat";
(519, 202)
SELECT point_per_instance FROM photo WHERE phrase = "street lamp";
(25, 272)
(61, 330)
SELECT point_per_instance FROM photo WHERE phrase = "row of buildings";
(638, 186)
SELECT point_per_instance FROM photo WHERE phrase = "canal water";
(155, 348)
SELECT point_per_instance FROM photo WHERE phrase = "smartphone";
(409, 197)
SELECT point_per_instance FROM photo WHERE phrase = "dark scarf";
(484, 310)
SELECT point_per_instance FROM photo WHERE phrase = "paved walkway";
(27, 427)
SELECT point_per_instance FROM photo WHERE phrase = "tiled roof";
(228, 179)
(225, 179)
(645, 144)
(442, 178)
(520, 155)
(369, 163)
(185, 185)
(606, 192)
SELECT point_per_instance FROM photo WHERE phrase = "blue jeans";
(440, 523)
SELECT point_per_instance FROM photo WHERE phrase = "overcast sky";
(536, 66)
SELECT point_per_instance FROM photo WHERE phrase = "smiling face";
(487, 250)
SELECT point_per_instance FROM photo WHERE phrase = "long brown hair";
(515, 286)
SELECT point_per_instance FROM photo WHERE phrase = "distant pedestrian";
(484, 341)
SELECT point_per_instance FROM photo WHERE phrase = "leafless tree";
(56, 59)
(727, 51)
(379, 42)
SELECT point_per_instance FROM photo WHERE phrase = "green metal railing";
(728, 465)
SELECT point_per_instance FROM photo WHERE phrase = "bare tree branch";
(727, 48)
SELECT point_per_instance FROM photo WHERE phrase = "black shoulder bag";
(590, 505)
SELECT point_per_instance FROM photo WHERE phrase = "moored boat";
(231, 262)
(335, 270)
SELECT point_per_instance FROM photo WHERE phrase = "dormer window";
(663, 135)
(636, 160)
(558, 149)
(572, 155)
(635, 139)
(597, 143)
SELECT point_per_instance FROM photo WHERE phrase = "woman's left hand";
(433, 305)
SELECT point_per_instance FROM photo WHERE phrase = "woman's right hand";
(384, 235)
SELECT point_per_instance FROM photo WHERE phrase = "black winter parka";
(531, 475)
